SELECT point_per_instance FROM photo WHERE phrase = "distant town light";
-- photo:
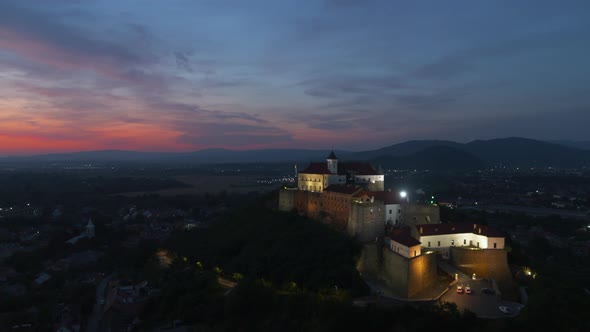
(403, 194)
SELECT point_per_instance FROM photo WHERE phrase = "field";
(200, 184)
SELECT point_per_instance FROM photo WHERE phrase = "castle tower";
(332, 161)
(90, 229)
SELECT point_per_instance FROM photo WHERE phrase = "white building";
(402, 243)
(440, 237)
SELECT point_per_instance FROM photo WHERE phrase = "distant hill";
(206, 156)
(435, 158)
(427, 154)
(512, 151)
(582, 145)
(525, 152)
(403, 149)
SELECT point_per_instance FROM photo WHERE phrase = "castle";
(402, 241)
(351, 197)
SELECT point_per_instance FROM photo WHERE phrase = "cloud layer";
(181, 75)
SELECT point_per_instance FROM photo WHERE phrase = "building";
(402, 243)
(351, 197)
(318, 176)
(441, 237)
(406, 261)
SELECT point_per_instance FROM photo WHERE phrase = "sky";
(184, 75)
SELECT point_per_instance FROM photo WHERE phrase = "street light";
(403, 194)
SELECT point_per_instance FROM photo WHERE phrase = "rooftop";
(403, 236)
(457, 228)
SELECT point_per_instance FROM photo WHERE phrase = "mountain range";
(423, 154)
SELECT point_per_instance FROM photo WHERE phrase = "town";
(422, 240)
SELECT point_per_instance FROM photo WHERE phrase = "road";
(97, 311)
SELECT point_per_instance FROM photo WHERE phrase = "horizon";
(339, 150)
(182, 77)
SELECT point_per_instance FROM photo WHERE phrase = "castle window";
(439, 243)
(494, 245)
(464, 241)
(478, 244)
(428, 244)
(452, 242)
(414, 253)
(390, 211)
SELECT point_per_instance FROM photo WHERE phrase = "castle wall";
(485, 263)
(395, 272)
(366, 221)
(337, 208)
(287, 199)
(413, 214)
(402, 276)
(370, 261)
(422, 274)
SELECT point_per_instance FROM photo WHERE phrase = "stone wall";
(366, 221)
(485, 263)
(287, 199)
(402, 276)
(422, 273)
(413, 214)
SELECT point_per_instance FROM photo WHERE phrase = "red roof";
(358, 168)
(316, 168)
(403, 236)
(343, 189)
(456, 228)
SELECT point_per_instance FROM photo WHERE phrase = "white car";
(467, 290)
(460, 289)
(505, 309)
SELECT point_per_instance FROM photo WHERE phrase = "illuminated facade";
(318, 176)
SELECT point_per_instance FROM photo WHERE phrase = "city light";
(403, 194)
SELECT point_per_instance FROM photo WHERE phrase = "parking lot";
(483, 305)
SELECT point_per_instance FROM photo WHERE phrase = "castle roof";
(316, 168)
(403, 236)
(358, 168)
(457, 228)
(332, 155)
(343, 189)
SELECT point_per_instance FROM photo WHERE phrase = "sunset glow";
(183, 76)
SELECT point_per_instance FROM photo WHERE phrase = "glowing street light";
(403, 194)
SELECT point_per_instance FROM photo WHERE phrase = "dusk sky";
(354, 75)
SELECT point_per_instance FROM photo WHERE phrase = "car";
(505, 309)
(460, 289)
(467, 290)
(488, 291)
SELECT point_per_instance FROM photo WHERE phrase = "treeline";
(260, 243)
